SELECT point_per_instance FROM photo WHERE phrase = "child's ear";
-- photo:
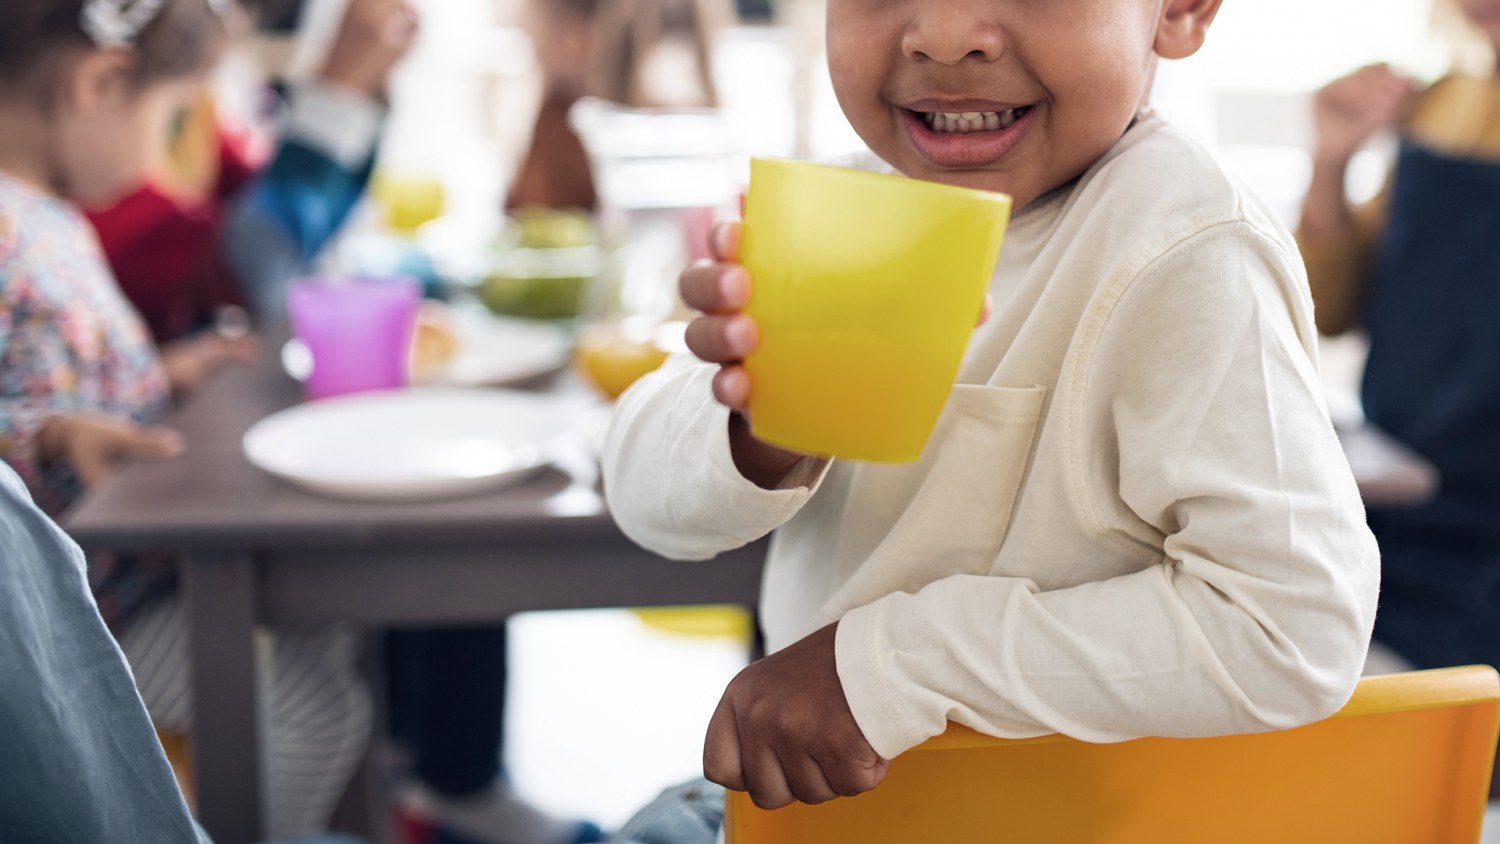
(1183, 26)
(97, 78)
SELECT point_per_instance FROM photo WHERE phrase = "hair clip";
(117, 23)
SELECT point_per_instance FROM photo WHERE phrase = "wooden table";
(258, 551)
(1388, 473)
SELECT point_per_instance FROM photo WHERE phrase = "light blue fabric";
(79, 760)
(691, 813)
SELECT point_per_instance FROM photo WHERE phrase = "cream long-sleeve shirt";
(1133, 517)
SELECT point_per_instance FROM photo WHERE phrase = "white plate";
(413, 444)
(492, 352)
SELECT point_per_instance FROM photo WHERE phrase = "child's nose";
(951, 31)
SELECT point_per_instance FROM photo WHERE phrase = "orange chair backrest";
(1406, 761)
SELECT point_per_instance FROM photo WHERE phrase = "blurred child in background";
(1418, 269)
(88, 90)
(217, 225)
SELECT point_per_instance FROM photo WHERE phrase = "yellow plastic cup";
(865, 288)
(409, 198)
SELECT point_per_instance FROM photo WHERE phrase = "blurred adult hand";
(372, 37)
(1347, 111)
(95, 445)
(784, 732)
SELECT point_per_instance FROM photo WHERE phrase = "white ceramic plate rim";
(519, 458)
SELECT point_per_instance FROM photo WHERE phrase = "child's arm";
(92, 445)
(1201, 395)
(191, 361)
(783, 730)
(682, 473)
(670, 474)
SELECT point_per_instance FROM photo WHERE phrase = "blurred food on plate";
(541, 265)
(436, 341)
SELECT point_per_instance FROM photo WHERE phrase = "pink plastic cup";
(358, 331)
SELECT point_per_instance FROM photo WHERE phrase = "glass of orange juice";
(614, 354)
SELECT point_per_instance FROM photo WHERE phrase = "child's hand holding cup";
(865, 290)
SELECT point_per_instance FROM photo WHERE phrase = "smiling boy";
(1133, 517)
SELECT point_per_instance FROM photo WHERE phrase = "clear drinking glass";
(663, 178)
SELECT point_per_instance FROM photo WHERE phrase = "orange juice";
(613, 355)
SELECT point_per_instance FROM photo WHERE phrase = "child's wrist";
(52, 438)
(761, 463)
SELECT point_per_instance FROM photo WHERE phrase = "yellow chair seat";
(180, 757)
(1406, 761)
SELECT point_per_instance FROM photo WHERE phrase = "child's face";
(1058, 82)
(110, 135)
(1485, 14)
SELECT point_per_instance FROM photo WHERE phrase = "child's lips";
(980, 146)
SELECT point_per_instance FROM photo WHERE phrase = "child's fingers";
(245, 348)
(715, 288)
(986, 310)
(724, 240)
(155, 442)
(721, 749)
(805, 777)
(764, 777)
(732, 387)
(722, 339)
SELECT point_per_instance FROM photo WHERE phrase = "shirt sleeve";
(300, 201)
(342, 124)
(670, 480)
(1253, 606)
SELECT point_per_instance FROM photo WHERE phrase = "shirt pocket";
(906, 526)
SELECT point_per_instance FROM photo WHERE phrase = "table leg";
(227, 755)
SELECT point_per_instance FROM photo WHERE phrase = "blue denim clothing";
(79, 760)
(691, 813)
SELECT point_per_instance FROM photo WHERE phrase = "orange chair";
(180, 756)
(1406, 761)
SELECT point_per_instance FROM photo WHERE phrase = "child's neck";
(25, 147)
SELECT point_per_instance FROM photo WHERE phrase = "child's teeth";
(969, 121)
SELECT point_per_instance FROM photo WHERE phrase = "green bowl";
(540, 283)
